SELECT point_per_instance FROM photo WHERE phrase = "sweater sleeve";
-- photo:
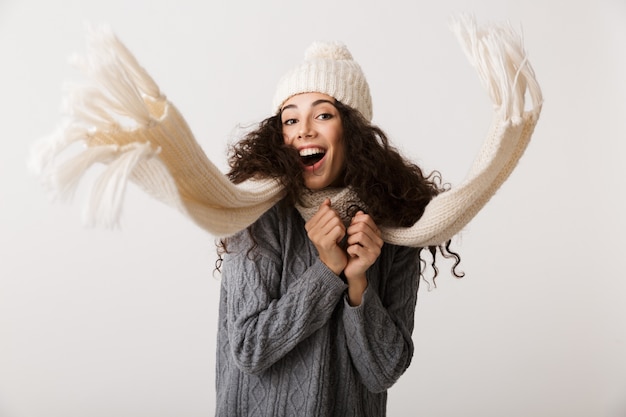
(265, 320)
(378, 331)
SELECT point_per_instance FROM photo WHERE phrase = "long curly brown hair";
(394, 190)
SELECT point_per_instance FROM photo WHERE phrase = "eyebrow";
(315, 103)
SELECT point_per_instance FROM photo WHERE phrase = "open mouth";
(311, 156)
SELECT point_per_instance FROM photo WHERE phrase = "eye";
(289, 122)
(325, 116)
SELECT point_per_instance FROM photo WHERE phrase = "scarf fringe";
(119, 86)
(107, 193)
(128, 124)
(115, 95)
(68, 175)
(497, 53)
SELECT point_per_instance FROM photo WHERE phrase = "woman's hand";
(326, 230)
(364, 246)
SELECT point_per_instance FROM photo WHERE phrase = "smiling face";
(312, 124)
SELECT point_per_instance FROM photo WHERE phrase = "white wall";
(122, 323)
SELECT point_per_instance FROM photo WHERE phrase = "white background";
(123, 323)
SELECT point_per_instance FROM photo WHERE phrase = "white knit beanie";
(328, 68)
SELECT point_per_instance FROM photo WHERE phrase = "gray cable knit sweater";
(289, 344)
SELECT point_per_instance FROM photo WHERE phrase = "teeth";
(311, 151)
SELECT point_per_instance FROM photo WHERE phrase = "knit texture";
(289, 344)
(328, 68)
(161, 155)
(343, 200)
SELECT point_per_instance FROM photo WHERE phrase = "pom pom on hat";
(327, 50)
(328, 68)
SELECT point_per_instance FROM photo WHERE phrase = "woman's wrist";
(334, 263)
(356, 288)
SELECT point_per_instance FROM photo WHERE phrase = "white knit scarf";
(341, 199)
(161, 155)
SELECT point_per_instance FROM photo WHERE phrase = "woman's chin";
(315, 184)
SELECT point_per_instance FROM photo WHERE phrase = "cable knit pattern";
(289, 344)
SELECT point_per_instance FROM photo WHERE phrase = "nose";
(305, 130)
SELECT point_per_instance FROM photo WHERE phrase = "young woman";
(316, 313)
